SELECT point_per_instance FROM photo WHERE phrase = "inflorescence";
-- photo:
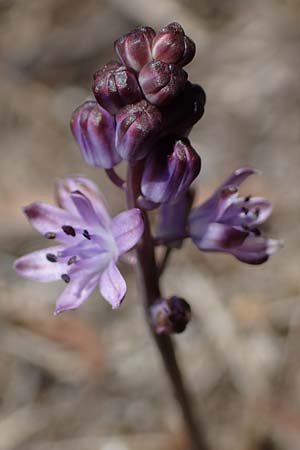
(143, 112)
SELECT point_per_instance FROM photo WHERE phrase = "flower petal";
(73, 183)
(239, 176)
(47, 218)
(127, 228)
(37, 267)
(85, 209)
(250, 212)
(79, 289)
(219, 237)
(256, 250)
(112, 285)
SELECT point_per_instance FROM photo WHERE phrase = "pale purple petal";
(77, 291)
(37, 267)
(127, 228)
(256, 250)
(79, 183)
(85, 209)
(250, 212)
(219, 237)
(112, 285)
(47, 218)
(239, 176)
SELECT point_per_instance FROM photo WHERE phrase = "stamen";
(256, 232)
(245, 210)
(246, 228)
(86, 234)
(72, 260)
(50, 235)
(51, 257)
(66, 278)
(69, 230)
(256, 212)
(248, 198)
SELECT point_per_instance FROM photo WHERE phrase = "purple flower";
(184, 111)
(161, 82)
(138, 126)
(169, 170)
(115, 86)
(228, 223)
(134, 48)
(94, 129)
(90, 244)
(171, 45)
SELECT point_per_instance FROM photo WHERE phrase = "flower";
(171, 45)
(94, 129)
(169, 170)
(161, 82)
(90, 244)
(228, 223)
(134, 48)
(115, 86)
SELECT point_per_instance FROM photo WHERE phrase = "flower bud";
(184, 111)
(94, 129)
(170, 315)
(170, 170)
(161, 82)
(116, 86)
(171, 45)
(134, 48)
(137, 127)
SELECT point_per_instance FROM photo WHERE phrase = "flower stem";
(148, 280)
(114, 177)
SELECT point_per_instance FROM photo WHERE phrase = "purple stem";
(148, 281)
(114, 177)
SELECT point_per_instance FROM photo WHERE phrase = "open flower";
(90, 244)
(228, 223)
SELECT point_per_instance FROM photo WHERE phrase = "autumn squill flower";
(90, 244)
(229, 223)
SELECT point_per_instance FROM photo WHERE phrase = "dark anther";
(247, 199)
(66, 278)
(256, 232)
(69, 230)
(72, 260)
(51, 257)
(245, 210)
(50, 235)
(246, 228)
(256, 212)
(86, 234)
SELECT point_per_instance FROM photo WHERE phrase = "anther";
(86, 234)
(51, 257)
(247, 199)
(72, 260)
(66, 278)
(50, 235)
(256, 212)
(245, 210)
(246, 227)
(256, 232)
(69, 230)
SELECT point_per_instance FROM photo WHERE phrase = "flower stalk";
(149, 289)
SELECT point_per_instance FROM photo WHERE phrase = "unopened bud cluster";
(144, 110)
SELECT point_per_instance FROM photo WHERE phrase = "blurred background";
(91, 379)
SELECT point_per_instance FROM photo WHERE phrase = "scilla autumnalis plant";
(143, 112)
